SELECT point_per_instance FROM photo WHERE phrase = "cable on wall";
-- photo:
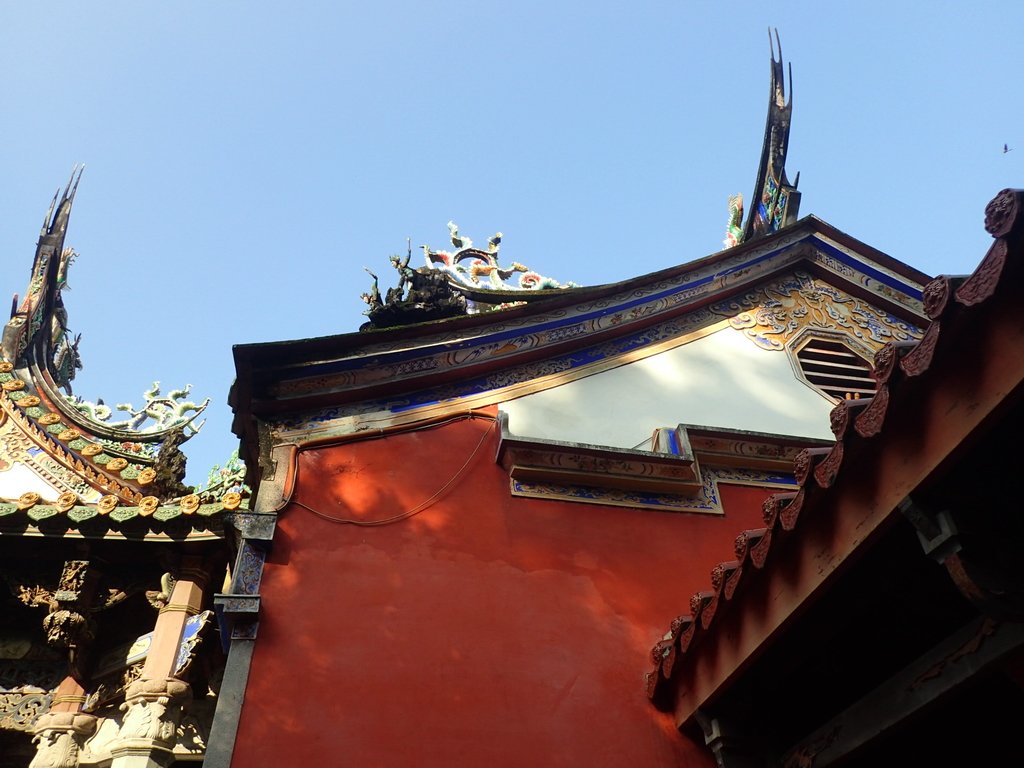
(428, 502)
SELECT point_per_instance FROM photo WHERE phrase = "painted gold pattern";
(117, 464)
(13, 385)
(231, 500)
(189, 504)
(14, 446)
(29, 401)
(772, 317)
(49, 419)
(92, 449)
(146, 476)
(6, 367)
(68, 435)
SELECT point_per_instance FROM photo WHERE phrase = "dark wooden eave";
(942, 405)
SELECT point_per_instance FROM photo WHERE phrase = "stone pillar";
(153, 703)
(61, 732)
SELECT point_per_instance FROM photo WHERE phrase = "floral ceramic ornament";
(148, 505)
(107, 504)
(66, 501)
(28, 500)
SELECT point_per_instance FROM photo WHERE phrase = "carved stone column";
(61, 732)
(152, 712)
(153, 703)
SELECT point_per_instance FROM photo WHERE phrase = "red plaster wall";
(484, 631)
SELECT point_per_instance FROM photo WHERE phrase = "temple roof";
(66, 464)
(464, 332)
(470, 280)
(443, 361)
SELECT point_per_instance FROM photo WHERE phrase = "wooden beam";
(937, 673)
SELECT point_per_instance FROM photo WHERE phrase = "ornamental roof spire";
(776, 202)
(65, 456)
(467, 280)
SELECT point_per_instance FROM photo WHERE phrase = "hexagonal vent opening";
(835, 369)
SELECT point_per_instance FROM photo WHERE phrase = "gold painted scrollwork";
(772, 317)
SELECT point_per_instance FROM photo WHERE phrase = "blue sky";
(245, 161)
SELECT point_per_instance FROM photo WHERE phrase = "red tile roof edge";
(817, 468)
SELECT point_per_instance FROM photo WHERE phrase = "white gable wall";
(720, 380)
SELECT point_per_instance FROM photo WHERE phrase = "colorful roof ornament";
(475, 268)
(164, 413)
(65, 465)
(42, 300)
(734, 226)
(464, 281)
(776, 202)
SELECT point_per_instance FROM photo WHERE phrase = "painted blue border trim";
(337, 366)
(871, 272)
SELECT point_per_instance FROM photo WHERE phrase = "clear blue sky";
(246, 160)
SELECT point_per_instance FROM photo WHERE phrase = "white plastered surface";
(19, 479)
(720, 380)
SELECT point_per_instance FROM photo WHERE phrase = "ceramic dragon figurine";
(734, 226)
(476, 268)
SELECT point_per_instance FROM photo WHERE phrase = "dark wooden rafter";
(936, 674)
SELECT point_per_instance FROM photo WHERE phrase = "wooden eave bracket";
(730, 747)
(936, 531)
